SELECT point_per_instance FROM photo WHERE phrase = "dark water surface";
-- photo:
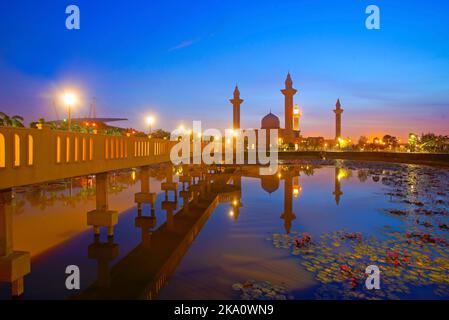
(307, 233)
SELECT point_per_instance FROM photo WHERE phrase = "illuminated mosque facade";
(291, 133)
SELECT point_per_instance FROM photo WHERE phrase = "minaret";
(338, 111)
(236, 102)
(289, 92)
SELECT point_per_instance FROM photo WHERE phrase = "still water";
(308, 232)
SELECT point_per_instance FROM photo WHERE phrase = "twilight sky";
(180, 60)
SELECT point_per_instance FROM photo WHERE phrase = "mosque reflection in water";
(190, 195)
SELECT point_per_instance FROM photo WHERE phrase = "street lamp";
(150, 121)
(70, 100)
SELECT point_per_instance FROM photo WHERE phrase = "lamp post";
(150, 122)
(69, 100)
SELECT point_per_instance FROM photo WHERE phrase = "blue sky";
(180, 60)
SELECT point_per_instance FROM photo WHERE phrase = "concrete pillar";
(5, 223)
(145, 195)
(169, 185)
(102, 216)
(101, 191)
(145, 223)
(145, 179)
(14, 265)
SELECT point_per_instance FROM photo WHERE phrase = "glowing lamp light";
(150, 120)
(231, 213)
(296, 192)
(69, 99)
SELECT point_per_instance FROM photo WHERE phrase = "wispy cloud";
(183, 44)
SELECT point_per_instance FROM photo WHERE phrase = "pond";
(308, 232)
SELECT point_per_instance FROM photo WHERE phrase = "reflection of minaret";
(289, 92)
(296, 187)
(237, 202)
(14, 265)
(338, 111)
(288, 216)
(236, 102)
(337, 191)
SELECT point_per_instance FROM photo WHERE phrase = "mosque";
(291, 133)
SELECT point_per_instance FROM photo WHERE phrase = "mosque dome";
(271, 121)
(269, 183)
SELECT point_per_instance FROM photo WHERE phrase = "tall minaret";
(236, 102)
(289, 92)
(338, 111)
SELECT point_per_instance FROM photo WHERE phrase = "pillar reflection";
(145, 196)
(104, 253)
(169, 206)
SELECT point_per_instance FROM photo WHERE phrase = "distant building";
(291, 133)
(94, 123)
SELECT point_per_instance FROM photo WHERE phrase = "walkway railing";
(29, 156)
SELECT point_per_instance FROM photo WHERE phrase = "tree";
(160, 134)
(412, 141)
(390, 141)
(113, 132)
(14, 121)
(430, 142)
(363, 140)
